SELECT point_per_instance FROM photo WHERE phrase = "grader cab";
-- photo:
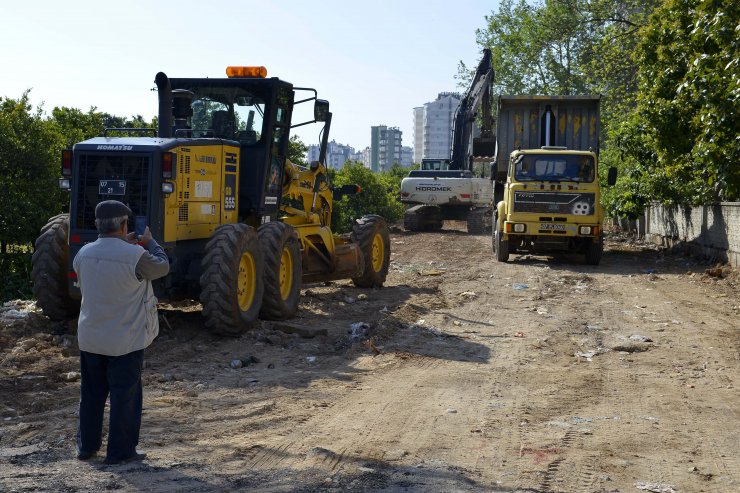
(243, 226)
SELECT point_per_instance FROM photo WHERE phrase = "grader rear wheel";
(232, 281)
(49, 273)
(282, 277)
(371, 234)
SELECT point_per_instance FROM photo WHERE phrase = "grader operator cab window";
(230, 114)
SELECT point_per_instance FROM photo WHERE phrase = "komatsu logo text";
(114, 148)
(205, 159)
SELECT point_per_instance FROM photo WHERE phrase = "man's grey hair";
(110, 225)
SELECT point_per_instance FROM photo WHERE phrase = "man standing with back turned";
(118, 319)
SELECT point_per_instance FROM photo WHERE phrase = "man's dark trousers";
(119, 376)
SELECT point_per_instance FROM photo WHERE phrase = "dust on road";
(462, 374)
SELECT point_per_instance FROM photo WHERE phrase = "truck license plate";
(552, 226)
(112, 187)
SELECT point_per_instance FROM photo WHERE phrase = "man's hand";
(146, 237)
(131, 238)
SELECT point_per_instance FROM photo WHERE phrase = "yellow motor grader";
(243, 226)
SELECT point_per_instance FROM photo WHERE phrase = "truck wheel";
(282, 276)
(594, 250)
(500, 246)
(371, 234)
(232, 281)
(49, 273)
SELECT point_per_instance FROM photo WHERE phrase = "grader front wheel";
(372, 235)
(282, 277)
(232, 280)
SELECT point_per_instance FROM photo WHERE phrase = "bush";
(16, 269)
(379, 196)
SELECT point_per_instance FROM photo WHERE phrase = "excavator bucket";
(484, 147)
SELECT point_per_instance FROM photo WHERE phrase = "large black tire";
(477, 221)
(232, 283)
(411, 221)
(500, 246)
(50, 263)
(594, 250)
(282, 276)
(371, 234)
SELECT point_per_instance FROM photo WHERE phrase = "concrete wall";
(712, 231)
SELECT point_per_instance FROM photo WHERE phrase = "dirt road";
(462, 374)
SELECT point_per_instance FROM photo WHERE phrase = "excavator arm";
(465, 148)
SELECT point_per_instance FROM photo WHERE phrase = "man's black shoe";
(81, 455)
(133, 458)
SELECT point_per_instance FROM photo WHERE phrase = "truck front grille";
(93, 168)
(579, 204)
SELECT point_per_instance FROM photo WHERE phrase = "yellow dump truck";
(546, 179)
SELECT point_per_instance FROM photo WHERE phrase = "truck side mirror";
(612, 178)
(320, 110)
(492, 170)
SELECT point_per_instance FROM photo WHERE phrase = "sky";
(374, 61)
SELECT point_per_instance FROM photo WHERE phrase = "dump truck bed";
(521, 123)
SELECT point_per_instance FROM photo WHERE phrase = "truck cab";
(552, 202)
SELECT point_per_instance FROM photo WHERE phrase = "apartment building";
(336, 154)
(385, 147)
(433, 124)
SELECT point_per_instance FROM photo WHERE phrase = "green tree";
(685, 135)
(537, 48)
(30, 150)
(297, 150)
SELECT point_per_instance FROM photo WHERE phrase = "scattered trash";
(451, 411)
(349, 300)
(468, 294)
(577, 421)
(639, 338)
(649, 271)
(541, 310)
(358, 330)
(421, 324)
(655, 487)
(720, 271)
(384, 310)
(456, 323)
(361, 297)
(72, 376)
(311, 359)
(15, 314)
(365, 469)
(431, 272)
(519, 287)
(519, 334)
(590, 354)
(371, 346)
(236, 364)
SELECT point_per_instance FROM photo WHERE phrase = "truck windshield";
(554, 167)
